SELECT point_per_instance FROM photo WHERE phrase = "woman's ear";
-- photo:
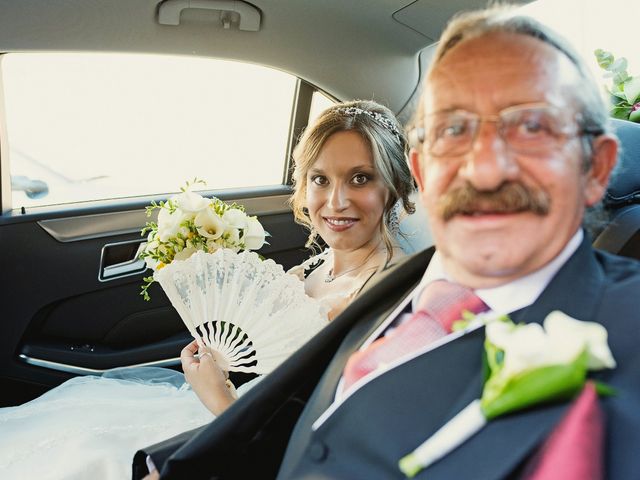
(416, 168)
(603, 160)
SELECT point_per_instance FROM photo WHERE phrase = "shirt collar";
(514, 295)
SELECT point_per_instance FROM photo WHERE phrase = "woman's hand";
(207, 379)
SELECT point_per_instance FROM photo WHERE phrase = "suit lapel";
(575, 290)
(403, 278)
(505, 442)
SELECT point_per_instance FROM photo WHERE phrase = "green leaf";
(604, 58)
(495, 357)
(635, 116)
(620, 77)
(503, 395)
(619, 65)
(604, 390)
(620, 112)
(631, 89)
(144, 289)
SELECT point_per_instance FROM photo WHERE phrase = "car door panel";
(63, 317)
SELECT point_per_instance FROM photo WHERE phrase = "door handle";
(121, 259)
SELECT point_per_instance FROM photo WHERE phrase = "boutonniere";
(526, 365)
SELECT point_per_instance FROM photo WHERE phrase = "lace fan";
(249, 312)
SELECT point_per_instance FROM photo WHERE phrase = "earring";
(393, 218)
(311, 240)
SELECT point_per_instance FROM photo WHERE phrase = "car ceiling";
(348, 48)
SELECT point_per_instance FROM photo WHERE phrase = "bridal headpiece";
(378, 117)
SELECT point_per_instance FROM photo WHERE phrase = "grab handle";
(170, 10)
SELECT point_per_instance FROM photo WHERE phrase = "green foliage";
(624, 90)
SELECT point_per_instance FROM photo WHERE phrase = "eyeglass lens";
(533, 130)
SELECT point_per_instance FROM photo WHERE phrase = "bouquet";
(244, 310)
(189, 222)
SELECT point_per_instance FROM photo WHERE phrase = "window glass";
(591, 24)
(319, 103)
(100, 126)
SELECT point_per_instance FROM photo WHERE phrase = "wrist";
(220, 398)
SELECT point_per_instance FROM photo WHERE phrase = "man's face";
(494, 239)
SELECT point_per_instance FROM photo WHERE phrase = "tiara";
(378, 117)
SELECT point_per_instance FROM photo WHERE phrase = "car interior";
(70, 275)
(621, 234)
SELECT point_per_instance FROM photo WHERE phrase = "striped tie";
(440, 304)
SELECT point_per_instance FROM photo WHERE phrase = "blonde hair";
(388, 144)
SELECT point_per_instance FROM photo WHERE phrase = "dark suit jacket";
(391, 415)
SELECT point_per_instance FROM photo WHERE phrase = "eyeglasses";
(532, 129)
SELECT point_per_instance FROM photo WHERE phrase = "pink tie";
(440, 304)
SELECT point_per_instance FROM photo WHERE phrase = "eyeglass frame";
(416, 135)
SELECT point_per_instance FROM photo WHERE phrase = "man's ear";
(603, 160)
(416, 168)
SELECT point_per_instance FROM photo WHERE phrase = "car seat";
(622, 198)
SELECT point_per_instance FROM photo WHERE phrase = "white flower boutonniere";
(189, 222)
(527, 365)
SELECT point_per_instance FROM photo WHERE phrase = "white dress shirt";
(501, 300)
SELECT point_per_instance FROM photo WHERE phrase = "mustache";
(510, 197)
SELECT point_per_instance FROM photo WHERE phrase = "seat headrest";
(624, 186)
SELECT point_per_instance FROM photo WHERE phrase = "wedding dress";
(91, 426)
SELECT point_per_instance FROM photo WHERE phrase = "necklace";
(331, 277)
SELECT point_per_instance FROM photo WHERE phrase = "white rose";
(525, 346)
(235, 218)
(254, 235)
(563, 329)
(169, 223)
(209, 224)
(191, 202)
(232, 236)
(561, 341)
(235, 221)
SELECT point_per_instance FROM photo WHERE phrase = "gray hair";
(385, 136)
(594, 118)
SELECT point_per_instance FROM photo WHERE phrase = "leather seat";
(622, 199)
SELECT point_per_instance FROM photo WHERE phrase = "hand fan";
(248, 312)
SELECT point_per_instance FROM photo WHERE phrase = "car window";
(84, 127)
(591, 25)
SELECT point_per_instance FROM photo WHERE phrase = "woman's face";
(345, 193)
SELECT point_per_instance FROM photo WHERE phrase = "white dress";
(90, 427)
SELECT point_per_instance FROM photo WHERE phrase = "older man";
(510, 145)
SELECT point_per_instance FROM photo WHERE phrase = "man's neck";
(518, 293)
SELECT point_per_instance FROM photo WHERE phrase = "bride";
(351, 185)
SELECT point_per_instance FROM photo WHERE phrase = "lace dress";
(336, 302)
